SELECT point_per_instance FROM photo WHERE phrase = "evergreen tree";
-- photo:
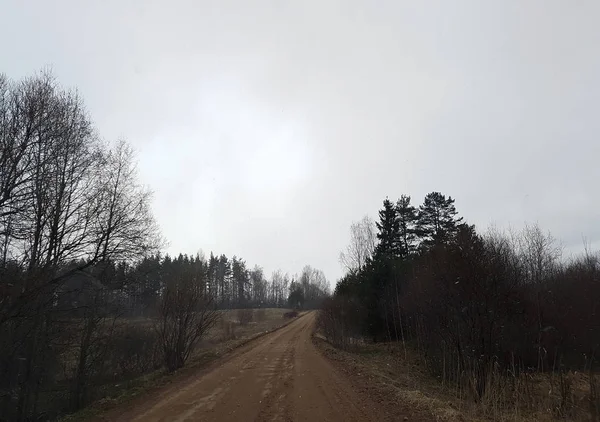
(224, 281)
(212, 285)
(148, 281)
(407, 219)
(377, 275)
(239, 275)
(437, 222)
(296, 297)
(389, 232)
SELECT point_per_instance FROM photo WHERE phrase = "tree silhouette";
(389, 232)
(407, 218)
(437, 221)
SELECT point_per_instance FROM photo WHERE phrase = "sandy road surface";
(280, 377)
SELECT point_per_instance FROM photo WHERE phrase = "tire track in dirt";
(276, 405)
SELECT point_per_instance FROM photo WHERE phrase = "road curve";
(279, 377)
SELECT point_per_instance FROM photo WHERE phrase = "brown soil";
(279, 377)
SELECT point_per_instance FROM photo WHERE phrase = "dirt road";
(280, 377)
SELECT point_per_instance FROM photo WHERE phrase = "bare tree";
(186, 312)
(314, 286)
(259, 286)
(279, 285)
(67, 205)
(121, 229)
(363, 239)
(123, 223)
(538, 252)
(539, 256)
(46, 151)
(25, 111)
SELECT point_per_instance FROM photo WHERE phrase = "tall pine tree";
(407, 219)
(240, 280)
(437, 222)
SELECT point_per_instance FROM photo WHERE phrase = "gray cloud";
(265, 129)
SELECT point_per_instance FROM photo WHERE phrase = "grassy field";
(236, 325)
(399, 379)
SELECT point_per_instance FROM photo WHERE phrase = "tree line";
(230, 283)
(87, 300)
(474, 305)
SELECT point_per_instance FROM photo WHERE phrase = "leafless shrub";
(363, 238)
(133, 351)
(291, 314)
(339, 320)
(185, 314)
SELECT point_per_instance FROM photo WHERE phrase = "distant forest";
(227, 281)
(80, 257)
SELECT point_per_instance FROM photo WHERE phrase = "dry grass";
(527, 397)
(231, 327)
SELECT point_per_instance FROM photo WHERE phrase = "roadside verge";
(373, 374)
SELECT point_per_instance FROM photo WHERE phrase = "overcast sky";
(266, 128)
